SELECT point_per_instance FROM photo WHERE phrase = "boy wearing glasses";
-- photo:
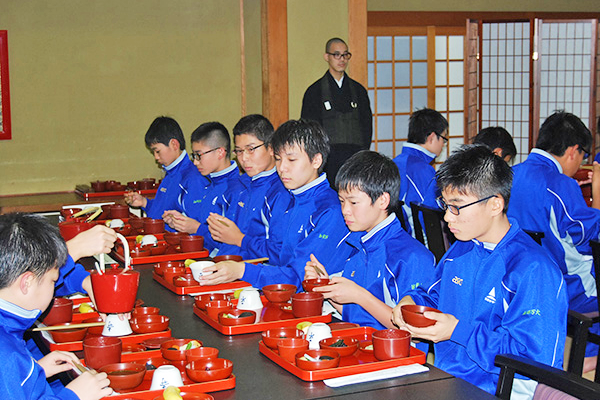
(497, 290)
(311, 224)
(211, 147)
(165, 140)
(341, 105)
(546, 199)
(243, 217)
(380, 262)
(427, 130)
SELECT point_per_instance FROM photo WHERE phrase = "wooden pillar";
(275, 91)
(357, 39)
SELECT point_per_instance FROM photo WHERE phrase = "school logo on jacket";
(491, 297)
(163, 189)
(457, 280)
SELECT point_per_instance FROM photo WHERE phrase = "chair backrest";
(596, 255)
(400, 215)
(439, 237)
(537, 236)
(563, 383)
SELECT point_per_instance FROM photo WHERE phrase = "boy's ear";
(26, 281)
(497, 204)
(174, 144)
(383, 201)
(431, 137)
(317, 161)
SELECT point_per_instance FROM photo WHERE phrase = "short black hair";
(28, 243)
(162, 130)
(256, 125)
(562, 130)
(497, 137)
(475, 170)
(372, 173)
(423, 122)
(332, 41)
(214, 134)
(307, 134)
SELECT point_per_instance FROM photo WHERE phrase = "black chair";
(439, 237)
(552, 381)
(400, 215)
(578, 325)
(537, 236)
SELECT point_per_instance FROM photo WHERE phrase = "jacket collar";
(310, 185)
(545, 154)
(231, 168)
(421, 149)
(176, 162)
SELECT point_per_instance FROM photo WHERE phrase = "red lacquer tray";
(183, 290)
(143, 391)
(87, 192)
(357, 363)
(276, 319)
(160, 258)
(134, 338)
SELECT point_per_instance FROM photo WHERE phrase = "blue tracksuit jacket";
(387, 262)
(313, 223)
(22, 377)
(168, 191)
(417, 178)
(543, 199)
(252, 207)
(199, 197)
(508, 299)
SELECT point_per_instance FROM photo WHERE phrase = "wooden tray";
(183, 290)
(163, 257)
(134, 338)
(357, 363)
(143, 391)
(87, 193)
(259, 326)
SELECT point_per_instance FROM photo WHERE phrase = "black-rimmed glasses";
(337, 56)
(198, 156)
(249, 150)
(443, 137)
(456, 209)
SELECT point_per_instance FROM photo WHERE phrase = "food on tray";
(149, 239)
(138, 239)
(85, 308)
(192, 344)
(188, 262)
(306, 357)
(242, 315)
(369, 347)
(115, 223)
(123, 372)
(172, 393)
(303, 326)
(339, 343)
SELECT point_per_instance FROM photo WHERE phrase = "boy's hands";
(91, 386)
(342, 291)
(311, 267)
(180, 222)
(438, 332)
(97, 240)
(57, 362)
(224, 230)
(135, 199)
(224, 272)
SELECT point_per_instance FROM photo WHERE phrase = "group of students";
(498, 290)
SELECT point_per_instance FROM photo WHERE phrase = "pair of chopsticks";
(71, 326)
(95, 210)
(256, 260)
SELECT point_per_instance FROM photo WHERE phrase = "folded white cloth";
(376, 375)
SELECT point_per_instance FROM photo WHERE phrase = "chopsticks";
(319, 271)
(256, 260)
(71, 326)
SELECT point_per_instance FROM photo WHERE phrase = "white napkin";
(376, 375)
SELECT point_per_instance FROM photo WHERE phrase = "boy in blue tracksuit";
(31, 253)
(211, 147)
(246, 211)
(497, 290)
(165, 139)
(546, 199)
(312, 222)
(380, 261)
(427, 130)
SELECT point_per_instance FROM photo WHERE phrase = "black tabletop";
(257, 377)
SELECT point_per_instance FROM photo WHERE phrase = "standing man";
(341, 105)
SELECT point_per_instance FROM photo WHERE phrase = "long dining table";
(257, 377)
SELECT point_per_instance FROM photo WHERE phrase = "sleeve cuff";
(462, 333)
(251, 273)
